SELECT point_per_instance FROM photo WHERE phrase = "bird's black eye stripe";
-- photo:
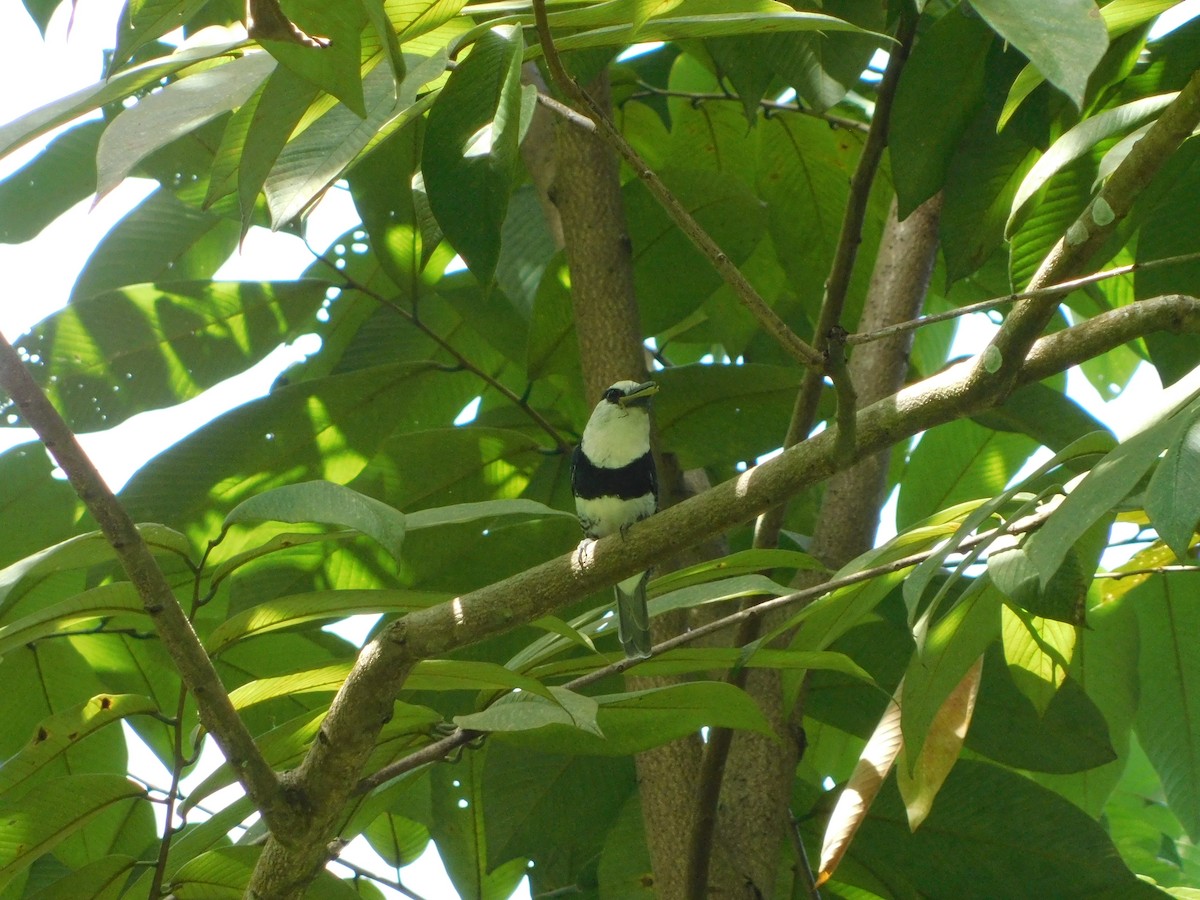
(612, 395)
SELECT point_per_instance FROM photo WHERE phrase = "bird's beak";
(640, 395)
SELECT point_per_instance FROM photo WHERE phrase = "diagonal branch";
(797, 348)
(1003, 358)
(174, 630)
(328, 776)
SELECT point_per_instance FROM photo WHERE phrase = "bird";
(615, 484)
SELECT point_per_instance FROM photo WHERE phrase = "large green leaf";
(1168, 717)
(335, 68)
(110, 356)
(1082, 140)
(627, 723)
(550, 789)
(940, 90)
(458, 825)
(993, 833)
(161, 239)
(1064, 40)
(1107, 484)
(328, 504)
(25, 472)
(1070, 736)
(949, 649)
(470, 155)
(713, 414)
(37, 822)
(103, 879)
(1173, 494)
(43, 119)
(700, 26)
(317, 606)
(956, 462)
(60, 732)
(178, 109)
(98, 603)
(327, 429)
(317, 157)
(55, 180)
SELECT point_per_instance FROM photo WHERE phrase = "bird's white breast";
(616, 436)
(603, 516)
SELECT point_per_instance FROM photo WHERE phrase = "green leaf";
(1048, 416)
(327, 428)
(1081, 141)
(319, 155)
(551, 790)
(99, 602)
(523, 712)
(163, 238)
(945, 72)
(742, 562)
(1173, 494)
(949, 649)
(316, 606)
(46, 187)
(956, 462)
(334, 68)
(1061, 598)
(80, 552)
(458, 826)
(178, 109)
(103, 879)
(993, 833)
(685, 27)
(37, 822)
(397, 839)
(110, 356)
(638, 720)
(26, 473)
(1071, 735)
(376, 11)
(328, 504)
(470, 154)
(1168, 716)
(62, 731)
(485, 509)
(45, 118)
(1101, 490)
(710, 414)
(1064, 40)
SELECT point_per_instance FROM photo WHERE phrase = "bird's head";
(619, 429)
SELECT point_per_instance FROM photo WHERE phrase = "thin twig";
(438, 750)
(768, 105)
(175, 631)
(178, 763)
(1063, 287)
(770, 321)
(560, 443)
(804, 872)
(837, 286)
(395, 885)
(1149, 570)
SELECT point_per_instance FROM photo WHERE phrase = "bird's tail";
(633, 618)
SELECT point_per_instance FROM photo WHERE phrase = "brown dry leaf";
(873, 765)
(940, 752)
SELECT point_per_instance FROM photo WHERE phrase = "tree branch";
(768, 106)
(770, 321)
(1053, 290)
(461, 737)
(174, 630)
(1005, 355)
(327, 777)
